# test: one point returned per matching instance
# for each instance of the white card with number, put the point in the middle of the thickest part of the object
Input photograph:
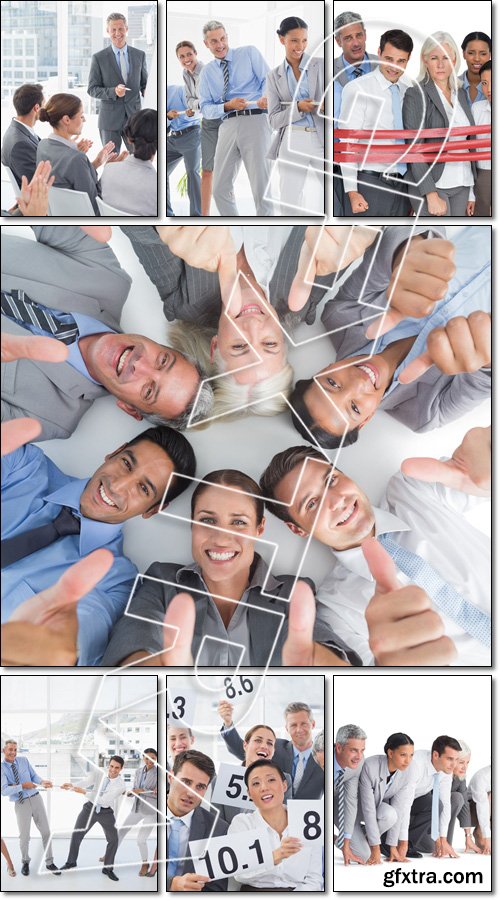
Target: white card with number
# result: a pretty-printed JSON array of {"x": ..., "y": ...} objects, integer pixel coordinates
[
  {"x": 230, "y": 788},
  {"x": 181, "y": 705},
  {"x": 229, "y": 855},
  {"x": 305, "y": 820},
  {"x": 238, "y": 688}
]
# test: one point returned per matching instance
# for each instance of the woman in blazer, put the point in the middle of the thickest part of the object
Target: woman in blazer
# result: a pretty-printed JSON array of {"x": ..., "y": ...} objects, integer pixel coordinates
[
  {"x": 385, "y": 796},
  {"x": 448, "y": 188},
  {"x": 70, "y": 165},
  {"x": 294, "y": 94},
  {"x": 131, "y": 185}
]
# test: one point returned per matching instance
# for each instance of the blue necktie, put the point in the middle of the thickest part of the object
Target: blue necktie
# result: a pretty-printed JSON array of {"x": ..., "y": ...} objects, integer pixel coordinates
[
  {"x": 397, "y": 116},
  {"x": 435, "y": 807},
  {"x": 225, "y": 74},
  {"x": 174, "y": 843},
  {"x": 447, "y": 600},
  {"x": 101, "y": 792}
]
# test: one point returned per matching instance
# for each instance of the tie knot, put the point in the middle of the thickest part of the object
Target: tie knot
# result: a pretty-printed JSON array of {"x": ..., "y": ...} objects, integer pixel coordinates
[
  {"x": 67, "y": 523},
  {"x": 176, "y": 824}
]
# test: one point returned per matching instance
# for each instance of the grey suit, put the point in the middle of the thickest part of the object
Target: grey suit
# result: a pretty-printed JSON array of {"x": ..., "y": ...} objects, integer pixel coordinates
[
  {"x": 201, "y": 827},
  {"x": 459, "y": 790},
  {"x": 312, "y": 784},
  {"x": 385, "y": 808},
  {"x": 339, "y": 71},
  {"x": 422, "y": 178},
  {"x": 433, "y": 399},
  {"x": 278, "y": 91},
  {"x": 352, "y": 813},
  {"x": 104, "y": 76},
  {"x": 71, "y": 168},
  {"x": 69, "y": 271},
  {"x": 19, "y": 150}
]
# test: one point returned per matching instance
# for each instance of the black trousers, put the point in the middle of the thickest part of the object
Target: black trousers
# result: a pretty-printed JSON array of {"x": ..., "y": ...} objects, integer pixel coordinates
[
  {"x": 419, "y": 831},
  {"x": 85, "y": 821},
  {"x": 379, "y": 194}
]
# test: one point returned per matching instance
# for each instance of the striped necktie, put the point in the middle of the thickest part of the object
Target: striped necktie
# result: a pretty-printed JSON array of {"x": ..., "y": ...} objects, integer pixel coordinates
[
  {"x": 447, "y": 600},
  {"x": 358, "y": 71},
  {"x": 340, "y": 788},
  {"x": 17, "y": 305},
  {"x": 16, "y": 779},
  {"x": 225, "y": 74},
  {"x": 299, "y": 774},
  {"x": 28, "y": 542}
]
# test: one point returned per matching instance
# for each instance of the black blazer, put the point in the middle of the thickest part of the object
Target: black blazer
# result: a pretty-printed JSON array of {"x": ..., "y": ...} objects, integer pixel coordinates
[
  {"x": 201, "y": 826},
  {"x": 312, "y": 785},
  {"x": 435, "y": 117},
  {"x": 19, "y": 150}
]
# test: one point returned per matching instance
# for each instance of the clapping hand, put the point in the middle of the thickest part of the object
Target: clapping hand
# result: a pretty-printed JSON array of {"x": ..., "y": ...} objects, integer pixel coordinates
[
  {"x": 84, "y": 144},
  {"x": 34, "y": 197},
  {"x": 104, "y": 154}
]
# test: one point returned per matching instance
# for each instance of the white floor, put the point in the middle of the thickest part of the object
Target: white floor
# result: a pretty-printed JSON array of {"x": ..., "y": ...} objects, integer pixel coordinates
[
  {"x": 362, "y": 879},
  {"x": 87, "y": 876}
]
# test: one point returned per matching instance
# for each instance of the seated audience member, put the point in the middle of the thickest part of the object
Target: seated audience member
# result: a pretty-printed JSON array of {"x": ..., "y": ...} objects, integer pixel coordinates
[
  {"x": 318, "y": 750},
  {"x": 480, "y": 803},
  {"x": 70, "y": 165},
  {"x": 187, "y": 821},
  {"x": 131, "y": 185},
  {"x": 294, "y": 756},
  {"x": 384, "y": 793},
  {"x": 432, "y": 361},
  {"x": 228, "y": 580},
  {"x": 429, "y": 815},
  {"x": 148, "y": 379},
  {"x": 295, "y": 866},
  {"x": 459, "y": 787},
  {"x": 481, "y": 110},
  {"x": 20, "y": 140},
  {"x": 33, "y": 199},
  {"x": 50, "y": 520},
  {"x": 442, "y": 593},
  {"x": 179, "y": 738},
  {"x": 476, "y": 49}
]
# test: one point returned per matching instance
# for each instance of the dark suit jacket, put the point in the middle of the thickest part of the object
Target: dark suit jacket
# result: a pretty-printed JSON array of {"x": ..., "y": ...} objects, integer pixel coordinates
[
  {"x": 19, "y": 151},
  {"x": 201, "y": 826},
  {"x": 435, "y": 117},
  {"x": 312, "y": 785},
  {"x": 105, "y": 75}
]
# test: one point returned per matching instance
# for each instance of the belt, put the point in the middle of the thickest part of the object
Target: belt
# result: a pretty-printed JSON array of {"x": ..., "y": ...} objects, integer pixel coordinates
[
  {"x": 301, "y": 128},
  {"x": 36, "y": 794},
  {"x": 182, "y": 131},
  {"x": 387, "y": 177},
  {"x": 246, "y": 112}
]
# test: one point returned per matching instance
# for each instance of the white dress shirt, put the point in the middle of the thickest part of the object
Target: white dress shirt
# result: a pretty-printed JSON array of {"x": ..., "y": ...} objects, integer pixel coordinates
[
  {"x": 263, "y": 247},
  {"x": 455, "y": 174},
  {"x": 367, "y": 104},
  {"x": 427, "y": 519},
  {"x": 480, "y": 787},
  {"x": 422, "y": 775},
  {"x": 94, "y": 783},
  {"x": 303, "y": 871},
  {"x": 481, "y": 110},
  {"x": 184, "y": 833}
]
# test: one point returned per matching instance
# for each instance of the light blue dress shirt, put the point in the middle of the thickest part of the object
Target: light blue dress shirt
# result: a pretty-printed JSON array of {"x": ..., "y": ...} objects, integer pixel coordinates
[
  {"x": 337, "y": 103},
  {"x": 176, "y": 99},
  {"x": 117, "y": 52},
  {"x": 33, "y": 491},
  {"x": 468, "y": 290},
  {"x": 302, "y": 93},
  {"x": 466, "y": 86},
  {"x": 26, "y": 772},
  {"x": 366, "y": 66},
  {"x": 247, "y": 78}
]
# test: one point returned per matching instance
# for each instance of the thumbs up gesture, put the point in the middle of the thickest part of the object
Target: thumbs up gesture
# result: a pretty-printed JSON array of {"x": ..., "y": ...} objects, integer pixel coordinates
[
  {"x": 403, "y": 628},
  {"x": 180, "y": 621},
  {"x": 299, "y": 648},
  {"x": 468, "y": 470},
  {"x": 462, "y": 345}
]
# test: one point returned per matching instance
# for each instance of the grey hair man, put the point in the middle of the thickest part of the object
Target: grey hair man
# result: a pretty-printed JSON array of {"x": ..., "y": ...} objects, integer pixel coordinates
[
  {"x": 460, "y": 808},
  {"x": 318, "y": 749},
  {"x": 294, "y": 756},
  {"x": 347, "y": 765}
]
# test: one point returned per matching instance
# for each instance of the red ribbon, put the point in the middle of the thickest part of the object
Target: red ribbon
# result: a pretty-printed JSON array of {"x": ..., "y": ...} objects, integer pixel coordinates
[{"x": 423, "y": 133}]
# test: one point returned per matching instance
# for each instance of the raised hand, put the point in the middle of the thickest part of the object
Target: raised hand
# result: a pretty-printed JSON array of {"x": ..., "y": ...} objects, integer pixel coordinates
[
  {"x": 300, "y": 648},
  {"x": 323, "y": 251},
  {"x": 403, "y": 628},
  {"x": 417, "y": 283},
  {"x": 225, "y": 711},
  {"x": 462, "y": 345},
  {"x": 42, "y": 631},
  {"x": 468, "y": 470}
]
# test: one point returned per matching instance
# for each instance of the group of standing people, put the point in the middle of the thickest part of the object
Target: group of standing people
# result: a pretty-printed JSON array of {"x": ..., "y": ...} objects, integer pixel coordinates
[
  {"x": 236, "y": 110},
  {"x": 372, "y": 92}
]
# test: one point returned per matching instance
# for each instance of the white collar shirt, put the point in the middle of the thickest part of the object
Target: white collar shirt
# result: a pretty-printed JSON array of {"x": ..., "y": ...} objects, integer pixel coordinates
[
  {"x": 455, "y": 174},
  {"x": 422, "y": 776},
  {"x": 480, "y": 787}
]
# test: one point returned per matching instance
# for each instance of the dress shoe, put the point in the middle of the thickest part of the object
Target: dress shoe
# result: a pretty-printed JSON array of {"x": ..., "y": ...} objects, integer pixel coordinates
[
  {"x": 110, "y": 874},
  {"x": 25, "y": 869},
  {"x": 68, "y": 865},
  {"x": 54, "y": 869},
  {"x": 413, "y": 854}
]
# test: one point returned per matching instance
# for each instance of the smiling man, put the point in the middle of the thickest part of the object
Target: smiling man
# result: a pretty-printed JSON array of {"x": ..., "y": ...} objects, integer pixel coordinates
[
  {"x": 51, "y": 520},
  {"x": 70, "y": 286}
]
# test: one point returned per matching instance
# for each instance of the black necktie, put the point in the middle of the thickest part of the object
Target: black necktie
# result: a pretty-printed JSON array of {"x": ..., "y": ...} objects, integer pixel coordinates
[
  {"x": 17, "y": 305},
  {"x": 358, "y": 71},
  {"x": 28, "y": 542}
]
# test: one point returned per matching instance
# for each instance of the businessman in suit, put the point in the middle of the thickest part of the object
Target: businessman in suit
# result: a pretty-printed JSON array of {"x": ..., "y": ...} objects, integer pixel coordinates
[
  {"x": 187, "y": 821},
  {"x": 68, "y": 272},
  {"x": 347, "y": 763},
  {"x": 117, "y": 77},
  {"x": 293, "y": 756},
  {"x": 20, "y": 141}
]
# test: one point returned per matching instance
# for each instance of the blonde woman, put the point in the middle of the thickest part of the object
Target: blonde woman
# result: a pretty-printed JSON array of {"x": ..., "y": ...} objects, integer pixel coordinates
[{"x": 439, "y": 101}]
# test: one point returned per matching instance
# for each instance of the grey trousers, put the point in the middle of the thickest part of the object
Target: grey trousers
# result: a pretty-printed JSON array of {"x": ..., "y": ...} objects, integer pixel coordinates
[
  {"x": 243, "y": 139},
  {"x": 482, "y": 190},
  {"x": 117, "y": 137},
  {"x": 456, "y": 201},
  {"x": 386, "y": 818},
  {"x": 460, "y": 810},
  {"x": 33, "y": 808},
  {"x": 85, "y": 821},
  {"x": 149, "y": 822},
  {"x": 188, "y": 148}
]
